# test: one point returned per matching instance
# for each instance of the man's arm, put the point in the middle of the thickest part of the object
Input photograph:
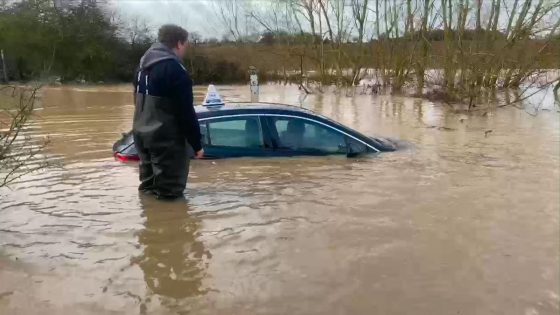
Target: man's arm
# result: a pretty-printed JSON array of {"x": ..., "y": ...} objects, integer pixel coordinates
[{"x": 182, "y": 87}]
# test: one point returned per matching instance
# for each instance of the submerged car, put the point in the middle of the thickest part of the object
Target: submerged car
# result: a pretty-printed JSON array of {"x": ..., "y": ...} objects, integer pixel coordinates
[{"x": 269, "y": 130}]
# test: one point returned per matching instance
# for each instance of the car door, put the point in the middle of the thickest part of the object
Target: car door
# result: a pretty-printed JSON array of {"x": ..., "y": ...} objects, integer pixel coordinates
[
  {"x": 236, "y": 136},
  {"x": 293, "y": 136}
]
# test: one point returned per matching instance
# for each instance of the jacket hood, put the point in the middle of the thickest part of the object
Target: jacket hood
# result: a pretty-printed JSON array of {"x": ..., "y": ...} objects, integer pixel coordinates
[{"x": 156, "y": 53}]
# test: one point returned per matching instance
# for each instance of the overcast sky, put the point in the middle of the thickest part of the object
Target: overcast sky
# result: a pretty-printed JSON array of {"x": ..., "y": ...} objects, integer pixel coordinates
[
  {"x": 203, "y": 17},
  {"x": 194, "y": 15}
]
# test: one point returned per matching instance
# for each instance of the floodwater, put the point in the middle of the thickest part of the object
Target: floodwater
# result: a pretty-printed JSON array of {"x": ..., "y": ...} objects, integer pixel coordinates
[{"x": 464, "y": 220}]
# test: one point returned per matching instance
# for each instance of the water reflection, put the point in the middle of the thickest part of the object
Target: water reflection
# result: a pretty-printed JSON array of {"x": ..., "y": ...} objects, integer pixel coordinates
[{"x": 174, "y": 261}]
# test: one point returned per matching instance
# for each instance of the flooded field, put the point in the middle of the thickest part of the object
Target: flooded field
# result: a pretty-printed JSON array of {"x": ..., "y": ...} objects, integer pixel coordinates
[{"x": 464, "y": 220}]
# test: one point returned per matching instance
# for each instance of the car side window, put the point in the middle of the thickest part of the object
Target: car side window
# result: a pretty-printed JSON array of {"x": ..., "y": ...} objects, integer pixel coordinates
[
  {"x": 239, "y": 132},
  {"x": 302, "y": 135}
]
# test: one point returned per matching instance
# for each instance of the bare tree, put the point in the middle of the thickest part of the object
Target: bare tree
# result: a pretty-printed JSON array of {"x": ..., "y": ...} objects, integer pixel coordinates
[
  {"x": 310, "y": 7},
  {"x": 230, "y": 17},
  {"x": 360, "y": 11},
  {"x": 19, "y": 154},
  {"x": 235, "y": 17},
  {"x": 478, "y": 15},
  {"x": 310, "y": 11},
  {"x": 377, "y": 13},
  {"x": 422, "y": 62},
  {"x": 279, "y": 23},
  {"x": 136, "y": 30},
  {"x": 486, "y": 43}
]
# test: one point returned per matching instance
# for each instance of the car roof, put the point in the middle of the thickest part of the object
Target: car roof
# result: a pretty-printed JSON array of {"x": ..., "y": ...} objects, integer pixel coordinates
[{"x": 244, "y": 107}]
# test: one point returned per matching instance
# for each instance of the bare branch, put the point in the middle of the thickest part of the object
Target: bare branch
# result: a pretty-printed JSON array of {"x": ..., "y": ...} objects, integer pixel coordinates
[{"x": 19, "y": 154}]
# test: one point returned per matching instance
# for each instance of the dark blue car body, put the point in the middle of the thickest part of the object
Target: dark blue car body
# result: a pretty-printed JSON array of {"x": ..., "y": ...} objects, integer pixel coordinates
[{"x": 266, "y": 130}]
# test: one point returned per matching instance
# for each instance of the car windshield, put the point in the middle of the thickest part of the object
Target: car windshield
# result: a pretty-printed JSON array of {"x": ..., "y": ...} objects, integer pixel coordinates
[{"x": 341, "y": 126}]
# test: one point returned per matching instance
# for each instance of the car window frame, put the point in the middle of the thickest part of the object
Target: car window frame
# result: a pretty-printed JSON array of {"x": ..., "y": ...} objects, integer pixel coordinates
[{"x": 267, "y": 129}]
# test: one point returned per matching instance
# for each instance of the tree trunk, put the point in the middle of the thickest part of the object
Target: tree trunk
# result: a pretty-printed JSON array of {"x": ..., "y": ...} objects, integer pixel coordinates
[
  {"x": 478, "y": 20},
  {"x": 377, "y": 18},
  {"x": 4, "y": 72},
  {"x": 421, "y": 66},
  {"x": 511, "y": 18}
]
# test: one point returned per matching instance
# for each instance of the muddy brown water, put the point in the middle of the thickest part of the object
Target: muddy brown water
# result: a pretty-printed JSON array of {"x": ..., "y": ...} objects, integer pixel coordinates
[{"x": 461, "y": 221}]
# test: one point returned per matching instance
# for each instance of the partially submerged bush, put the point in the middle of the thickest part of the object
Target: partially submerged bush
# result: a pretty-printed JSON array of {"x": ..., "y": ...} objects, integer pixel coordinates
[{"x": 19, "y": 154}]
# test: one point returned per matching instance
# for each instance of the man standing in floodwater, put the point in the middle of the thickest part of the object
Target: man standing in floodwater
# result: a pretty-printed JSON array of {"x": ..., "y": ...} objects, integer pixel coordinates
[{"x": 165, "y": 122}]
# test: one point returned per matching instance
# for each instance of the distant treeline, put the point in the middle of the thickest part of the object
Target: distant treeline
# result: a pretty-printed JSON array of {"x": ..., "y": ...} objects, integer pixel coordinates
[
  {"x": 85, "y": 42},
  {"x": 78, "y": 42},
  {"x": 82, "y": 42}
]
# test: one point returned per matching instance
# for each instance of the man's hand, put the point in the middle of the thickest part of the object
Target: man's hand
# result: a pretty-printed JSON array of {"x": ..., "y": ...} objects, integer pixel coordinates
[{"x": 199, "y": 155}]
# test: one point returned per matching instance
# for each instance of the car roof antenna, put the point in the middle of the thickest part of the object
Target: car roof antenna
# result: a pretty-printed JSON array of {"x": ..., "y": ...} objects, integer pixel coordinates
[{"x": 213, "y": 98}]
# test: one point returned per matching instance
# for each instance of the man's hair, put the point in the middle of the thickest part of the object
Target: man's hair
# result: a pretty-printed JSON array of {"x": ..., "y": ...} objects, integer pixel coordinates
[{"x": 170, "y": 35}]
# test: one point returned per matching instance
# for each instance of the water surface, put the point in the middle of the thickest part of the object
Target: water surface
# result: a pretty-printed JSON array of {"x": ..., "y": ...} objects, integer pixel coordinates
[{"x": 462, "y": 221}]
